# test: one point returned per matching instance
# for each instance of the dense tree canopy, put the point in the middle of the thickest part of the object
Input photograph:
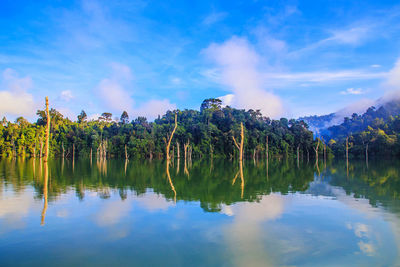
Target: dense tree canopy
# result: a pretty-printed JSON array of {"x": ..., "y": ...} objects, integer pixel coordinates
[{"x": 208, "y": 132}]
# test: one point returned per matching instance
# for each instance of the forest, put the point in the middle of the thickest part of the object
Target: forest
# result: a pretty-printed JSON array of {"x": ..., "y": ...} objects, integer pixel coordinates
[
  {"x": 375, "y": 133},
  {"x": 209, "y": 132}
]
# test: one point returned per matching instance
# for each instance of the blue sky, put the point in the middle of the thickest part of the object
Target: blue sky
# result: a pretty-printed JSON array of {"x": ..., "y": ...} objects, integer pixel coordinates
[{"x": 288, "y": 58}]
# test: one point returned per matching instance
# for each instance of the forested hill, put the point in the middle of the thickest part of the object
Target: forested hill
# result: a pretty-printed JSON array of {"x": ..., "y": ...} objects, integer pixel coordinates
[
  {"x": 335, "y": 125},
  {"x": 376, "y": 132},
  {"x": 205, "y": 133}
]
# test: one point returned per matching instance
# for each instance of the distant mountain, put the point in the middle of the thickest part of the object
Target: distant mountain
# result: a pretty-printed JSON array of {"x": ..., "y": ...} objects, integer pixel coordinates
[
  {"x": 336, "y": 125},
  {"x": 319, "y": 124}
]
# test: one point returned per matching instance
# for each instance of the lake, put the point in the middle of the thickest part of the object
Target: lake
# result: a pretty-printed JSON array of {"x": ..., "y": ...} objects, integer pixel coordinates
[{"x": 200, "y": 213}]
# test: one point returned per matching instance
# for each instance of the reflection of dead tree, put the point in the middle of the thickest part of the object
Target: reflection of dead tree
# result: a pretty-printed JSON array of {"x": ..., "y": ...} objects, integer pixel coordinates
[
  {"x": 102, "y": 165},
  {"x": 170, "y": 181},
  {"x": 316, "y": 152},
  {"x": 240, "y": 171},
  {"x": 187, "y": 152},
  {"x": 240, "y": 148},
  {"x": 45, "y": 189},
  {"x": 178, "y": 155}
]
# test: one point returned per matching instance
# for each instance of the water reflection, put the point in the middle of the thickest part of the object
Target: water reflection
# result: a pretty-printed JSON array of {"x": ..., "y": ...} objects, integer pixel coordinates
[
  {"x": 281, "y": 214},
  {"x": 45, "y": 189}
]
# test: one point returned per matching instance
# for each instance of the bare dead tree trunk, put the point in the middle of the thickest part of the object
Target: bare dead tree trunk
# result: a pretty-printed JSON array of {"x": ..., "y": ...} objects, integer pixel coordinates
[
  {"x": 267, "y": 148},
  {"x": 170, "y": 138},
  {"x": 126, "y": 153},
  {"x": 298, "y": 155},
  {"x": 34, "y": 150},
  {"x": 347, "y": 148},
  {"x": 240, "y": 148},
  {"x": 366, "y": 154},
  {"x": 46, "y": 149}
]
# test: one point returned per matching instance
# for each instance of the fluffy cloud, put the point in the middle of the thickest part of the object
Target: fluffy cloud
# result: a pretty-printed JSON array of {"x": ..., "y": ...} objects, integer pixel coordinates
[
  {"x": 394, "y": 76},
  {"x": 152, "y": 108},
  {"x": 15, "y": 99},
  {"x": 112, "y": 90},
  {"x": 238, "y": 70},
  {"x": 114, "y": 94},
  {"x": 66, "y": 95},
  {"x": 352, "y": 91}
]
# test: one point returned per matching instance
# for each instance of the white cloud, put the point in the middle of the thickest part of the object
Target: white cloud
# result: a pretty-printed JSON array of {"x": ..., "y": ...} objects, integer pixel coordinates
[
  {"x": 352, "y": 91},
  {"x": 238, "y": 67},
  {"x": 227, "y": 100},
  {"x": 152, "y": 108},
  {"x": 392, "y": 84},
  {"x": 66, "y": 95},
  {"x": 394, "y": 76},
  {"x": 115, "y": 96},
  {"x": 112, "y": 90},
  {"x": 93, "y": 116},
  {"x": 14, "y": 96},
  {"x": 320, "y": 77},
  {"x": 375, "y": 66},
  {"x": 214, "y": 17},
  {"x": 176, "y": 80},
  {"x": 352, "y": 36}
]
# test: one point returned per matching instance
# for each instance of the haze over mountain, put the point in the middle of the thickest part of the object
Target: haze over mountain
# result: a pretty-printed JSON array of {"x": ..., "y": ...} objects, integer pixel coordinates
[{"x": 383, "y": 108}]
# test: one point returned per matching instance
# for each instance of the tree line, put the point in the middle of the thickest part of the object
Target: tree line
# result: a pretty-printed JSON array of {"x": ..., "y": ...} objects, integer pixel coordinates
[
  {"x": 209, "y": 132},
  {"x": 375, "y": 133}
]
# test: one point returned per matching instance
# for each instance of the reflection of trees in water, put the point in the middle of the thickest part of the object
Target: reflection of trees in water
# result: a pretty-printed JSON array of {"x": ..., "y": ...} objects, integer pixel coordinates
[
  {"x": 211, "y": 188},
  {"x": 379, "y": 181}
]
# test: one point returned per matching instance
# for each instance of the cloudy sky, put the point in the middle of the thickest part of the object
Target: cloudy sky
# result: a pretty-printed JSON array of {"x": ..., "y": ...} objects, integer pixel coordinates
[{"x": 288, "y": 58}]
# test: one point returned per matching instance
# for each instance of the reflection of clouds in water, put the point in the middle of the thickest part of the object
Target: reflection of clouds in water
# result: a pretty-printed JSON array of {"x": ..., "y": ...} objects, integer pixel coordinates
[
  {"x": 360, "y": 229},
  {"x": 154, "y": 202},
  {"x": 363, "y": 231},
  {"x": 367, "y": 248},
  {"x": 360, "y": 204},
  {"x": 114, "y": 211},
  {"x": 13, "y": 209},
  {"x": 111, "y": 213},
  {"x": 62, "y": 213},
  {"x": 245, "y": 235}
]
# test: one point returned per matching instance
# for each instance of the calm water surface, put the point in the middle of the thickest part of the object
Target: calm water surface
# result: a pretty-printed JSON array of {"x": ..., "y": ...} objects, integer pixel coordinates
[{"x": 107, "y": 213}]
